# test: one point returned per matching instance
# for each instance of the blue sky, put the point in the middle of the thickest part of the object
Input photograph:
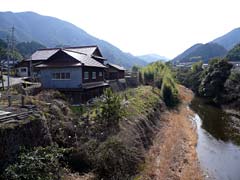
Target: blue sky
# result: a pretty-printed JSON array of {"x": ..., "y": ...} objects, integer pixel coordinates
[{"x": 165, "y": 27}]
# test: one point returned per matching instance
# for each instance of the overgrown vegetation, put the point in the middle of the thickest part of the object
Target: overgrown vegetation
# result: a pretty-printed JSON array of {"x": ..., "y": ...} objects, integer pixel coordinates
[
  {"x": 39, "y": 163},
  {"x": 159, "y": 75},
  {"x": 219, "y": 82},
  {"x": 108, "y": 136},
  {"x": 213, "y": 79},
  {"x": 234, "y": 53},
  {"x": 111, "y": 110}
]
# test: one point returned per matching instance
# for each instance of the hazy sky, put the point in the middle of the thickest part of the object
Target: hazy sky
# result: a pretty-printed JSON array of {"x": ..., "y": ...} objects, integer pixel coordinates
[{"x": 165, "y": 27}]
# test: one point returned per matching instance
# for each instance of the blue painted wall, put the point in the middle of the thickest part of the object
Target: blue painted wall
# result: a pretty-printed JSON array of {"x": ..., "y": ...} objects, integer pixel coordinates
[{"x": 74, "y": 82}]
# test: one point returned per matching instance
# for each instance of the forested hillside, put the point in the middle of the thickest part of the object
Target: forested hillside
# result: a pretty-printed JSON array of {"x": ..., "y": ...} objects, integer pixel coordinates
[
  {"x": 201, "y": 52},
  {"x": 50, "y": 32}
]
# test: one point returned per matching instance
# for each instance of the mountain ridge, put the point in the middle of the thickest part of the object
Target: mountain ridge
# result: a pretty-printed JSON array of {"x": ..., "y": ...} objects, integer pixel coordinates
[
  {"x": 51, "y": 31},
  {"x": 149, "y": 58},
  {"x": 203, "y": 52},
  {"x": 229, "y": 40}
]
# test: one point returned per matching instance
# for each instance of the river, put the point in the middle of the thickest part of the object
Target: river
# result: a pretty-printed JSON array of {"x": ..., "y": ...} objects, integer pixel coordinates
[{"x": 218, "y": 141}]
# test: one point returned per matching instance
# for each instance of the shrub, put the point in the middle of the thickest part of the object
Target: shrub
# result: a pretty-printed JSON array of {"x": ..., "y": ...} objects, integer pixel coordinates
[
  {"x": 235, "y": 76},
  {"x": 111, "y": 110},
  {"x": 169, "y": 92},
  {"x": 115, "y": 160},
  {"x": 41, "y": 164}
]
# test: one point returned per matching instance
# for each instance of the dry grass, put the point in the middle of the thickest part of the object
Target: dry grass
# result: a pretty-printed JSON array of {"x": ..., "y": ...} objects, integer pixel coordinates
[{"x": 173, "y": 154}]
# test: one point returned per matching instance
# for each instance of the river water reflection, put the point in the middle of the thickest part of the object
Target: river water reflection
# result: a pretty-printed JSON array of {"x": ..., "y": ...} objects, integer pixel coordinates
[{"x": 218, "y": 141}]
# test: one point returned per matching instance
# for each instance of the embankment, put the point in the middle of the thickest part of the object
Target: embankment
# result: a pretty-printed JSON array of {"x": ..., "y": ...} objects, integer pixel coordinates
[
  {"x": 105, "y": 150},
  {"x": 16, "y": 134},
  {"x": 173, "y": 154}
]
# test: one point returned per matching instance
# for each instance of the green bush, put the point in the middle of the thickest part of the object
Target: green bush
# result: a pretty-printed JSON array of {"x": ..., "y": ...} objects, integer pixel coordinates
[
  {"x": 111, "y": 110},
  {"x": 235, "y": 76},
  {"x": 115, "y": 160},
  {"x": 212, "y": 84},
  {"x": 40, "y": 164},
  {"x": 169, "y": 92}
]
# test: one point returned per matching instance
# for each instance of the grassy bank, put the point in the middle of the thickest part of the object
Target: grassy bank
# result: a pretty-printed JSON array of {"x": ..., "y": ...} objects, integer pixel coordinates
[{"x": 108, "y": 138}]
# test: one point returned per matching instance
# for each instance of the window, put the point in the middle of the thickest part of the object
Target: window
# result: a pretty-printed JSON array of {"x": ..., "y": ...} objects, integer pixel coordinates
[
  {"x": 100, "y": 74},
  {"x": 61, "y": 76},
  {"x": 67, "y": 75},
  {"x": 23, "y": 69},
  {"x": 86, "y": 75},
  {"x": 93, "y": 75}
]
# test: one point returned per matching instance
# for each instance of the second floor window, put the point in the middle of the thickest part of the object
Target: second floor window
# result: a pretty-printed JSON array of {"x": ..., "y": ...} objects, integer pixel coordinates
[
  {"x": 100, "y": 74},
  {"x": 86, "y": 75},
  {"x": 93, "y": 75}
]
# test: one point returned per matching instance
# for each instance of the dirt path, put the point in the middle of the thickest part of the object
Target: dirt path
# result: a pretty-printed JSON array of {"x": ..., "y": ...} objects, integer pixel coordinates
[{"x": 173, "y": 154}]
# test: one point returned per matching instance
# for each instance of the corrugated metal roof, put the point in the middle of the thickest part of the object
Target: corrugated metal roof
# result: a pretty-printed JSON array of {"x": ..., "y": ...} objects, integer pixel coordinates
[
  {"x": 117, "y": 66},
  {"x": 84, "y": 59}
]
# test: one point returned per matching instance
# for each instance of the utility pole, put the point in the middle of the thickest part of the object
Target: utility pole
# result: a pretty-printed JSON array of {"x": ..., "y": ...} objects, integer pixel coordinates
[
  {"x": 8, "y": 78},
  {"x": 30, "y": 69},
  {"x": 13, "y": 48}
]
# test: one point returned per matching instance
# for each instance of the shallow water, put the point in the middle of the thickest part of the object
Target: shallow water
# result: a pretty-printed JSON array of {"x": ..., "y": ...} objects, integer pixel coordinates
[{"x": 218, "y": 141}]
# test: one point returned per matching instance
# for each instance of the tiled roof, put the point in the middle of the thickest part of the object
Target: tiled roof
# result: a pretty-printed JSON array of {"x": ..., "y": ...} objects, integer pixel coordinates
[
  {"x": 43, "y": 54},
  {"x": 117, "y": 66},
  {"x": 84, "y": 59},
  {"x": 84, "y": 54},
  {"x": 89, "y": 50}
]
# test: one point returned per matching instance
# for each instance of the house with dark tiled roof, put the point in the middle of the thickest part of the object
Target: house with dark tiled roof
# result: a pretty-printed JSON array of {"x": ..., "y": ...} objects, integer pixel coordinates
[
  {"x": 78, "y": 69},
  {"x": 114, "y": 71}
]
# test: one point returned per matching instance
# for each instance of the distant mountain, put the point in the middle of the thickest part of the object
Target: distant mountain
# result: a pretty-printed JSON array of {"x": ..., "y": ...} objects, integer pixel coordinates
[
  {"x": 234, "y": 53},
  {"x": 229, "y": 40},
  {"x": 152, "y": 58},
  {"x": 27, "y": 48},
  {"x": 50, "y": 32},
  {"x": 181, "y": 56},
  {"x": 203, "y": 52}
]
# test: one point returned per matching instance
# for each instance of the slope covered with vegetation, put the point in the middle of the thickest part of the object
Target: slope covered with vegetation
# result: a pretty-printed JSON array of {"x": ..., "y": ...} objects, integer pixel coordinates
[
  {"x": 26, "y": 49},
  {"x": 109, "y": 137},
  {"x": 234, "y": 53},
  {"x": 201, "y": 52}
]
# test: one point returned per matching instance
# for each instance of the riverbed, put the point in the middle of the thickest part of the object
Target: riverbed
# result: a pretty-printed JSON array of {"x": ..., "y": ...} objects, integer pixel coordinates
[{"x": 218, "y": 143}]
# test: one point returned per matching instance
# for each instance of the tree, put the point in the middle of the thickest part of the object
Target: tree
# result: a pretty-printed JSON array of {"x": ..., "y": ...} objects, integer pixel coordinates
[
  {"x": 213, "y": 81},
  {"x": 135, "y": 68},
  {"x": 111, "y": 110},
  {"x": 234, "y": 54}
]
